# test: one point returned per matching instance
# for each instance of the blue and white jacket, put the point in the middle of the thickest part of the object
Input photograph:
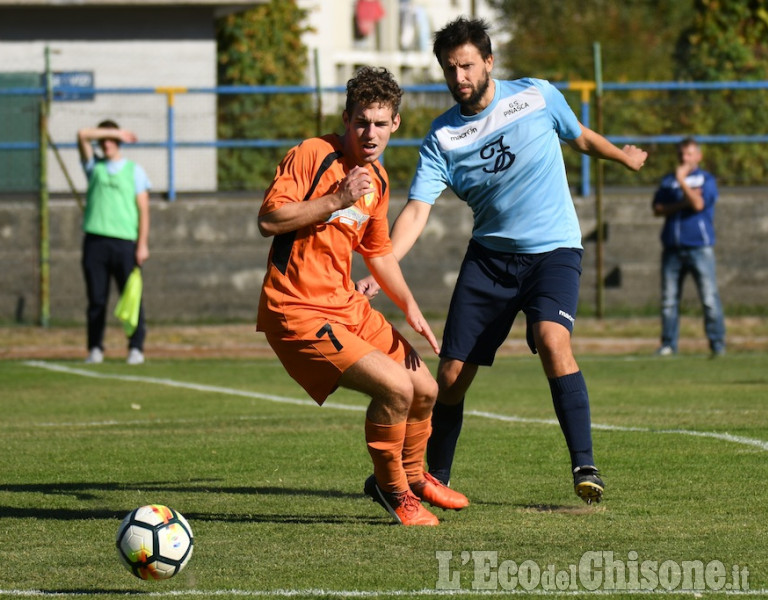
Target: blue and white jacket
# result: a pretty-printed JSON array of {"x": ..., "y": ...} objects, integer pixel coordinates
[{"x": 688, "y": 228}]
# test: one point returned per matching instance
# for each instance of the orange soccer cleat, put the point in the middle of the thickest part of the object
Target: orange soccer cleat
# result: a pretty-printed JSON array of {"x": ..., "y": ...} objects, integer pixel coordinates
[{"x": 437, "y": 494}]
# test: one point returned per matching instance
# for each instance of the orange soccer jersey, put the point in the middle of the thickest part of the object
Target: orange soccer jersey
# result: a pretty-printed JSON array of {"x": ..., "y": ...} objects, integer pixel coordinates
[{"x": 309, "y": 275}]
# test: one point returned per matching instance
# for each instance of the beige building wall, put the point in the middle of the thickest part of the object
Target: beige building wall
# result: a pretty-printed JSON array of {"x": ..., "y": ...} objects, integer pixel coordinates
[{"x": 132, "y": 44}]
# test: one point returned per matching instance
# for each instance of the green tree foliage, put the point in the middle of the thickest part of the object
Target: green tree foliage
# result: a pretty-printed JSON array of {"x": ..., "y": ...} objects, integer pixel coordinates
[
  {"x": 727, "y": 41},
  {"x": 554, "y": 39},
  {"x": 261, "y": 46},
  {"x": 654, "y": 40}
]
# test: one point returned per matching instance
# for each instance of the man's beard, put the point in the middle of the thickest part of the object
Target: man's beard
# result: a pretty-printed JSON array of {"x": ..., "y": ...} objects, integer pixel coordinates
[{"x": 476, "y": 95}]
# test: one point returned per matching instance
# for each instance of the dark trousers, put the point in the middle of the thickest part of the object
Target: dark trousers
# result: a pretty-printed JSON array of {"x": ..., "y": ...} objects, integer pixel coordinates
[{"x": 105, "y": 258}]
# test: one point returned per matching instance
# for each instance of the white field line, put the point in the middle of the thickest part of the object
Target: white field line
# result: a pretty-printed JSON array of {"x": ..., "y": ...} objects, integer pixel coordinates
[{"x": 727, "y": 437}]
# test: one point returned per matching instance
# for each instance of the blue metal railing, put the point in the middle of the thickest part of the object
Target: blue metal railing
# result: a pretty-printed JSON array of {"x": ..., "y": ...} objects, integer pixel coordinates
[{"x": 171, "y": 144}]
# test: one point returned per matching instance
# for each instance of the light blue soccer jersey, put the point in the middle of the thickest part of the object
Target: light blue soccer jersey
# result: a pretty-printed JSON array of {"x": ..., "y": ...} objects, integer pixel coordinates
[{"x": 507, "y": 165}]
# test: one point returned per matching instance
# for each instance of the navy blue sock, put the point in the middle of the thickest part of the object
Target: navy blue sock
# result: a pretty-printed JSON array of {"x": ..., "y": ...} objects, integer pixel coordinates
[
  {"x": 446, "y": 427},
  {"x": 569, "y": 395}
]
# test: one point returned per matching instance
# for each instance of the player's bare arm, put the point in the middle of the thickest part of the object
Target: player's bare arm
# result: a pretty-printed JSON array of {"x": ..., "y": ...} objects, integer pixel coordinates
[
  {"x": 94, "y": 134},
  {"x": 142, "y": 242},
  {"x": 405, "y": 231},
  {"x": 387, "y": 272},
  {"x": 593, "y": 144},
  {"x": 408, "y": 227},
  {"x": 296, "y": 215}
]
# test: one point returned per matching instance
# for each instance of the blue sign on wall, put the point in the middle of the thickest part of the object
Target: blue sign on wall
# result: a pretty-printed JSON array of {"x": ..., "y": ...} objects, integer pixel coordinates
[{"x": 78, "y": 85}]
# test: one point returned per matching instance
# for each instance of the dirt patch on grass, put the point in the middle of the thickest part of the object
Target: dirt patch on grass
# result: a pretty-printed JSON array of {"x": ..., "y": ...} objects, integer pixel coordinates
[{"x": 592, "y": 336}]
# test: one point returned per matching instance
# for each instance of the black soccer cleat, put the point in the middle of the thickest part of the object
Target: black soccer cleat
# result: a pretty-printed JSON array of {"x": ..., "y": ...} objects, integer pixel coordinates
[
  {"x": 371, "y": 489},
  {"x": 587, "y": 484},
  {"x": 405, "y": 507}
]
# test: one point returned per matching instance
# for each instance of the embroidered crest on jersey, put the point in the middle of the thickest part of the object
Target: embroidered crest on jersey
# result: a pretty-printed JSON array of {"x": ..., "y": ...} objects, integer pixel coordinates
[
  {"x": 368, "y": 198},
  {"x": 498, "y": 152},
  {"x": 352, "y": 216}
]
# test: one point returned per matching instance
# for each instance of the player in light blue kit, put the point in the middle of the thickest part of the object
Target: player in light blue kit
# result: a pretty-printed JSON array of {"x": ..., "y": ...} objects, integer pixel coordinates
[{"x": 499, "y": 150}]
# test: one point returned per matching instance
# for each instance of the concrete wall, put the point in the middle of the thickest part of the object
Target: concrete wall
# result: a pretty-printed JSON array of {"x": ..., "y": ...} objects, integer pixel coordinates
[{"x": 207, "y": 257}]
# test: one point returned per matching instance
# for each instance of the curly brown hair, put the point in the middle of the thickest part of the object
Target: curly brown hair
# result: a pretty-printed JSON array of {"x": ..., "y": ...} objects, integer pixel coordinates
[{"x": 373, "y": 85}]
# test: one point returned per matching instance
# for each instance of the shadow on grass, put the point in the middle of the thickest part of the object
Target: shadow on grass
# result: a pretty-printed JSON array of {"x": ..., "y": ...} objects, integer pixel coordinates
[
  {"x": 91, "y": 490},
  {"x": 85, "y": 514}
]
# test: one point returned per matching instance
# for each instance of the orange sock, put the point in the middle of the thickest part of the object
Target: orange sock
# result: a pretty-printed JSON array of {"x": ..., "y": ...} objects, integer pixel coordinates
[
  {"x": 385, "y": 445},
  {"x": 414, "y": 447}
]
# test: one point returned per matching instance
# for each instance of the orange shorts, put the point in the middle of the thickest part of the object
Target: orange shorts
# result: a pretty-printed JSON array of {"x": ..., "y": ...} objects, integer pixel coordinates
[{"x": 317, "y": 363}]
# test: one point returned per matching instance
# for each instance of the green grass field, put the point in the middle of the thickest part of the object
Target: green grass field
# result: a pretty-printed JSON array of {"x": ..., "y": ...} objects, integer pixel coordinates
[{"x": 272, "y": 485}]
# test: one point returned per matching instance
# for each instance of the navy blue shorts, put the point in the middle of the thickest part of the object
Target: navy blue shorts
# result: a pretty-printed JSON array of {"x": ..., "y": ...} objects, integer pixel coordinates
[{"x": 493, "y": 287}]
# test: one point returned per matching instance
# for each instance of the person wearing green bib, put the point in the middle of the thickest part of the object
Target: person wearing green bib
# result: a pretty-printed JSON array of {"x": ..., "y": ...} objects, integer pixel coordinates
[{"x": 116, "y": 227}]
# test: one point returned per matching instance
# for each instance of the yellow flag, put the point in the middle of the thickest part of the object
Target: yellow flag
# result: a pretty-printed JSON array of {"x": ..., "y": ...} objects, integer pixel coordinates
[{"x": 127, "y": 309}]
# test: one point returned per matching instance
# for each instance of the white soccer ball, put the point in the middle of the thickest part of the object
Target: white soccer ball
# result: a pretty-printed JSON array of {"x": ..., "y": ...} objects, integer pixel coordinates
[{"x": 154, "y": 542}]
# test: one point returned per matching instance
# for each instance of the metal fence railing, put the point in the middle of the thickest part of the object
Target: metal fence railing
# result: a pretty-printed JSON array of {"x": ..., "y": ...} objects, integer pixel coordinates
[
  {"x": 173, "y": 139},
  {"x": 34, "y": 120}
]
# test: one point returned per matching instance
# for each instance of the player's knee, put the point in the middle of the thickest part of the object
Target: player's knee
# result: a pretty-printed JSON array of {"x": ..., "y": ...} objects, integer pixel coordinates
[
  {"x": 431, "y": 390},
  {"x": 450, "y": 393},
  {"x": 453, "y": 381},
  {"x": 548, "y": 348},
  {"x": 557, "y": 359},
  {"x": 399, "y": 395},
  {"x": 425, "y": 392}
]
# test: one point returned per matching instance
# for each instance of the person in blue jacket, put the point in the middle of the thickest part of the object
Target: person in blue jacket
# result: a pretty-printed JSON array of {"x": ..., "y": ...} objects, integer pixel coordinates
[{"x": 686, "y": 199}]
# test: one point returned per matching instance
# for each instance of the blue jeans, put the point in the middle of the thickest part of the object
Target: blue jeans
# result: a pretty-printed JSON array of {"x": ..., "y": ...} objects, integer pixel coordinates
[{"x": 699, "y": 262}]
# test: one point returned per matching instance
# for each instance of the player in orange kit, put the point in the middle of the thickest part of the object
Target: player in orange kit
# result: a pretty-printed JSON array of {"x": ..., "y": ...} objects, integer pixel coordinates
[{"x": 330, "y": 197}]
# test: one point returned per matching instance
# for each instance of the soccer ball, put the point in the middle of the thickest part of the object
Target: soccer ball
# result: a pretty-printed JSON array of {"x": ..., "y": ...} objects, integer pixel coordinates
[{"x": 154, "y": 542}]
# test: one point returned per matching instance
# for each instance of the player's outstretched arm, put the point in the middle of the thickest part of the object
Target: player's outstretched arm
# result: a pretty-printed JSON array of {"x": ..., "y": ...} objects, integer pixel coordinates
[
  {"x": 593, "y": 144},
  {"x": 408, "y": 226},
  {"x": 387, "y": 272}
]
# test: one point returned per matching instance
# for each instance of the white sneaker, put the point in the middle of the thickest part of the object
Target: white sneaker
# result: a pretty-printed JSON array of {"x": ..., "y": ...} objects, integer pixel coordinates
[
  {"x": 135, "y": 357},
  {"x": 665, "y": 351},
  {"x": 95, "y": 356}
]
